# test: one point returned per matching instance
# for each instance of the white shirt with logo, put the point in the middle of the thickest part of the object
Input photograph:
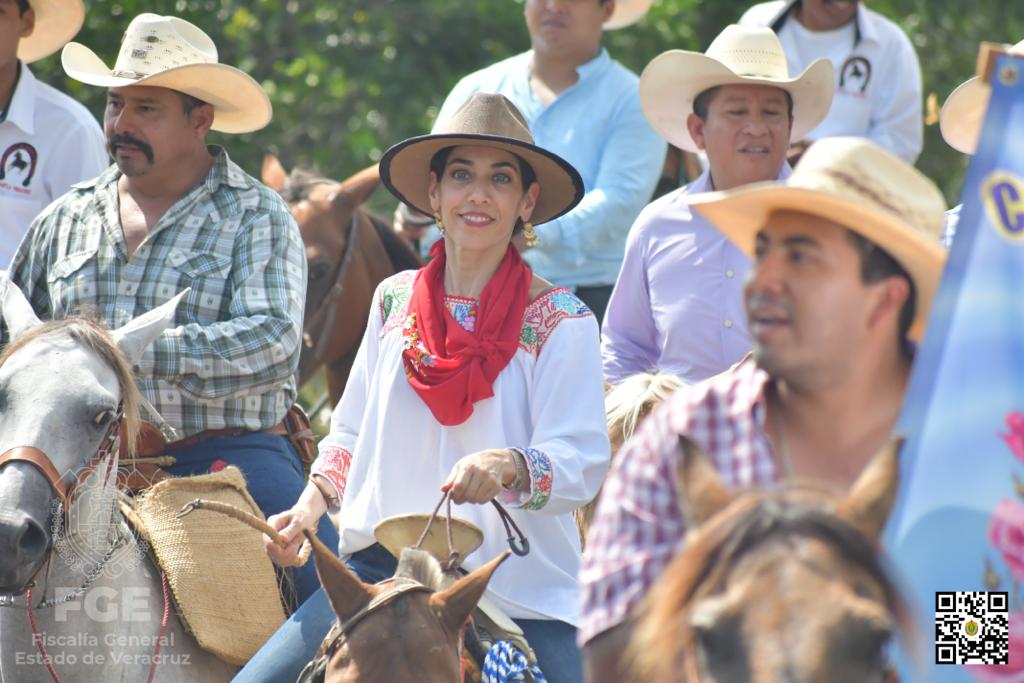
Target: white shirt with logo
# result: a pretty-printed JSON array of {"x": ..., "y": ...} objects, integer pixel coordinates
[
  {"x": 48, "y": 142},
  {"x": 878, "y": 75}
]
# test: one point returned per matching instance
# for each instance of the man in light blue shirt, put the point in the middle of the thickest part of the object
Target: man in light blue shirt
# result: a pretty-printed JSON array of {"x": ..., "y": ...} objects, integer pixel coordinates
[{"x": 584, "y": 106}]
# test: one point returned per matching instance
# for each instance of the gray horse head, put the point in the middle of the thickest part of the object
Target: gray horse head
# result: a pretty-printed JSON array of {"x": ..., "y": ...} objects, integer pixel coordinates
[{"x": 60, "y": 386}]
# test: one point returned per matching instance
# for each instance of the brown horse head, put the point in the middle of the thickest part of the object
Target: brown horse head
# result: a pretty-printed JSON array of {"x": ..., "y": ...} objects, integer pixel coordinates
[
  {"x": 780, "y": 586},
  {"x": 402, "y": 637},
  {"x": 349, "y": 251}
]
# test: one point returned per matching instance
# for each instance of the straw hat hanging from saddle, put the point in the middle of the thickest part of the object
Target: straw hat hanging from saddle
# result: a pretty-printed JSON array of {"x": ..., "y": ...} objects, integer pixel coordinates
[
  {"x": 964, "y": 111},
  {"x": 740, "y": 55},
  {"x": 861, "y": 186},
  {"x": 627, "y": 12},
  {"x": 486, "y": 120},
  {"x": 57, "y": 22},
  {"x": 168, "y": 52}
]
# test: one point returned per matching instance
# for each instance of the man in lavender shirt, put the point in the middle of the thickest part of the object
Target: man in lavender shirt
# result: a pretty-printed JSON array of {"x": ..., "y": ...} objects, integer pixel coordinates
[{"x": 677, "y": 304}]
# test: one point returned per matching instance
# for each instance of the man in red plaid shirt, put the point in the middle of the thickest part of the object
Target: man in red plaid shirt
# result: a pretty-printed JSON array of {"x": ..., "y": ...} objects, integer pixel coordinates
[{"x": 846, "y": 262}]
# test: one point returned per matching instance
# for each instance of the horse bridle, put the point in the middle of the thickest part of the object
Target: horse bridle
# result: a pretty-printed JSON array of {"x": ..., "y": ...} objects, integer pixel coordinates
[
  {"x": 38, "y": 459},
  {"x": 322, "y": 320},
  {"x": 401, "y": 586}
]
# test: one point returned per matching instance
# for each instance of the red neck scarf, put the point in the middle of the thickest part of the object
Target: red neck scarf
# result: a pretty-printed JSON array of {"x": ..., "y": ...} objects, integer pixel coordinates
[{"x": 447, "y": 366}]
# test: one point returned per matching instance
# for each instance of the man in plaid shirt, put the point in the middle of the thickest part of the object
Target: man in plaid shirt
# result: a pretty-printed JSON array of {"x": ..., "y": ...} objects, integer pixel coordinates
[
  {"x": 846, "y": 263},
  {"x": 174, "y": 213}
]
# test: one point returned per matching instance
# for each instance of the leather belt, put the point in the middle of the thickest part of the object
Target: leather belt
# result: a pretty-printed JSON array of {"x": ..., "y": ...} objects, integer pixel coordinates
[{"x": 279, "y": 429}]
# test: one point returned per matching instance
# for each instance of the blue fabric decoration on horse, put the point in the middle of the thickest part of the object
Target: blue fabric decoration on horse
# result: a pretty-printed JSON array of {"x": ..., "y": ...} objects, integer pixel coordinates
[{"x": 505, "y": 663}]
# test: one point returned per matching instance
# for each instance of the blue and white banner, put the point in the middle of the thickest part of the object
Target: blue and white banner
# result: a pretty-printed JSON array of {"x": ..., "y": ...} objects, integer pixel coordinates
[{"x": 958, "y": 530}]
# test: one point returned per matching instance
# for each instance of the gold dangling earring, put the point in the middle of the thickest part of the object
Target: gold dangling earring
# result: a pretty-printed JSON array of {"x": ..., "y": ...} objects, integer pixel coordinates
[
  {"x": 530, "y": 234},
  {"x": 440, "y": 225}
]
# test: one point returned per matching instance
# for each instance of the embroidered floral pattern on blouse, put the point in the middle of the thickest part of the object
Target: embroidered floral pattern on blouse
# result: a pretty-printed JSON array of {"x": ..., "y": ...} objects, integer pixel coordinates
[
  {"x": 541, "y": 478},
  {"x": 539, "y": 320},
  {"x": 411, "y": 340},
  {"x": 463, "y": 310},
  {"x": 394, "y": 300},
  {"x": 333, "y": 465},
  {"x": 543, "y": 315}
]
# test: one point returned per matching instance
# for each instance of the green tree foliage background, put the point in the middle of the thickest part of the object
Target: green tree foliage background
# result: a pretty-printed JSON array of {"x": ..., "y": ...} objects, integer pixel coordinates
[{"x": 350, "y": 77}]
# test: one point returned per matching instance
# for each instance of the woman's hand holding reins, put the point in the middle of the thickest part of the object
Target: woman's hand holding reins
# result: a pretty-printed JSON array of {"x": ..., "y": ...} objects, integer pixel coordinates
[
  {"x": 481, "y": 476},
  {"x": 305, "y": 514}
]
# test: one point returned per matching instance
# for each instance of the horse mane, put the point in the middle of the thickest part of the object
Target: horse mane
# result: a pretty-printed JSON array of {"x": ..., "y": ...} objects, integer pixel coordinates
[
  {"x": 629, "y": 401},
  {"x": 664, "y": 634},
  {"x": 300, "y": 184},
  {"x": 420, "y": 566},
  {"x": 98, "y": 340}
]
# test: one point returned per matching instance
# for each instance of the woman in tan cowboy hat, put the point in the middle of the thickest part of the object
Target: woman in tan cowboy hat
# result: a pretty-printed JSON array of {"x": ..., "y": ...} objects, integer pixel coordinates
[{"x": 474, "y": 377}]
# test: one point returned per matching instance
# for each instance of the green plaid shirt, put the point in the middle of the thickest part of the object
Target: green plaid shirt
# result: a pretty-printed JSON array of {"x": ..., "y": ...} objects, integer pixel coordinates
[{"x": 230, "y": 359}]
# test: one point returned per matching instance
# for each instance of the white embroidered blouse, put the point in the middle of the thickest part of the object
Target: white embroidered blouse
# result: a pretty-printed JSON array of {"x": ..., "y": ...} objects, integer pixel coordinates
[{"x": 387, "y": 455}]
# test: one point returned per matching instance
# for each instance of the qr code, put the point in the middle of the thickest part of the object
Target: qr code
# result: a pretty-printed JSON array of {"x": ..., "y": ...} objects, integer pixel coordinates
[{"x": 972, "y": 628}]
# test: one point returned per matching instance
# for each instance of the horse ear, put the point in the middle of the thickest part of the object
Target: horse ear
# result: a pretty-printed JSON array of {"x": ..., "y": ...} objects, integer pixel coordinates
[
  {"x": 346, "y": 593},
  {"x": 868, "y": 503},
  {"x": 273, "y": 173},
  {"x": 701, "y": 492},
  {"x": 355, "y": 190},
  {"x": 138, "y": 333},
  {"x": 15, "y": 310},
  {"x": 458, "y": 601}
]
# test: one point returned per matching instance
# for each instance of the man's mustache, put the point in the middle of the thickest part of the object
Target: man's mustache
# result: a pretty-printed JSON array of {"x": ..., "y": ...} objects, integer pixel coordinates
[{"x": 123, "y": 139}]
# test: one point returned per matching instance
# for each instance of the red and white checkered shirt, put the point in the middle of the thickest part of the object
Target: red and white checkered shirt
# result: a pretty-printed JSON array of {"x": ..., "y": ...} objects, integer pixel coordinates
[{"x": 638, "y": 526}]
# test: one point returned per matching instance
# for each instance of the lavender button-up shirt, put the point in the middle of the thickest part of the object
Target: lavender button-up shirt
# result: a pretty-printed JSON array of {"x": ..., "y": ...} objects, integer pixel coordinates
[{"x": 677, "y": 305}]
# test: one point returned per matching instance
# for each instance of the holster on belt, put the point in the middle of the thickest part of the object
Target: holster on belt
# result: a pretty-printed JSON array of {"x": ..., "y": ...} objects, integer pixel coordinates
[{"x": 301, "y": 435}]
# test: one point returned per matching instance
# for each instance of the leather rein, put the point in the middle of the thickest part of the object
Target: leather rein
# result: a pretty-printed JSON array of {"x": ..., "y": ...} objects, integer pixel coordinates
[{"x": 318, "y": 327}]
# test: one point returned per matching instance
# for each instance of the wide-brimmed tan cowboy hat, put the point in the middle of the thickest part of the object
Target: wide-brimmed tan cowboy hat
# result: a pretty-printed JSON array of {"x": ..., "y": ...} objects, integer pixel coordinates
[
  {"x": 402, "y": 531},
  {"x": 856, "y": 183},
  {"x": 168, "y": 52},
  {"x": 486, "y": 120},
  {"x": 740, "y": 55},
  {"x": 627, "y": 12},
  {"x": 57, "y": 22},
  {"x": 964, "y": 111}
]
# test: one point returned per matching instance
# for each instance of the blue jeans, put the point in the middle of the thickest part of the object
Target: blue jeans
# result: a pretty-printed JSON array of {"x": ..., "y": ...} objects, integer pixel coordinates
[
  {"x": 282, "y": 658},
  {"x": 274, "y": 476}
]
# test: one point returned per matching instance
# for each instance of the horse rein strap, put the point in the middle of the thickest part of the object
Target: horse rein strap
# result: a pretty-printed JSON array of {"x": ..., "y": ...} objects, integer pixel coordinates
[{"x": 326, "y": 312}]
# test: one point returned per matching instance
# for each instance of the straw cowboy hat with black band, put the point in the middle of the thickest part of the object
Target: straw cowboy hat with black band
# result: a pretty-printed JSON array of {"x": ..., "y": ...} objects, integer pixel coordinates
[
  {"x": 56, "y": 22},
  {"x": 168, "y": 52},
  {"x": 486, "y": 120},
  {"x": 964, "y": 111},
  {"x": 626, "y": 13},
  {"x": 740, "y": 55},
  {"x": 863, "y": 187}
]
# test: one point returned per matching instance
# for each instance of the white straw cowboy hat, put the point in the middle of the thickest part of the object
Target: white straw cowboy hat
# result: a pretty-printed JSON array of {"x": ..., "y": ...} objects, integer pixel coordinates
[
  {"x": 740, "y": 55},
  {"x": 402, "y": 531},
  {"x": 964, "y": 111},
  {"x": 856, "y": 183},
  {"x": 627, "y": 12},
  {"x": 168, "y": 52},
  {"x": 57, "y": 22},
  {"x": 486, "y": 120}
]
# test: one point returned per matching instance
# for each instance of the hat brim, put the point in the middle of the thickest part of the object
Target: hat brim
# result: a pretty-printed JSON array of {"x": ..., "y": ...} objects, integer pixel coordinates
[
  {"x": 740, "y": 214},
  {"x": 669, "y": 84},
  {"x": 402, "y": 531},
  {"x": 240, "y": 105},
  {"x": 57, "y": 22},
  {"x": 627, "y": 12},
  {"x": 405, "y": 171},
  {"x": 963, "y": 114}
]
